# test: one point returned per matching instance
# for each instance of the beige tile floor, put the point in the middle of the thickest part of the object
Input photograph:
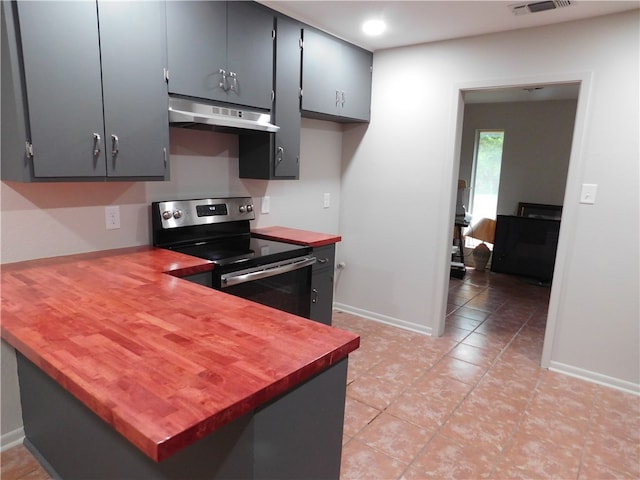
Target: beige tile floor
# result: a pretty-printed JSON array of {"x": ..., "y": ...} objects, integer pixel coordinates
[
  {"x": 472, "y": 404},
  {"x": 475, "y": 403}
]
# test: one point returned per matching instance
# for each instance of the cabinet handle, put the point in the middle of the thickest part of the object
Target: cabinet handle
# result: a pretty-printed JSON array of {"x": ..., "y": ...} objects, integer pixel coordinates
[
  {"x": 223, "y": 82},
  {"x": 114, "y": 146},
  {"x": 279, "y": 155},
  {"x": 323, "y": 260},
  {"x": 96, "y": 144},
  {"x": 234, "y": 82},
  {"x": 314, "y": 299}
]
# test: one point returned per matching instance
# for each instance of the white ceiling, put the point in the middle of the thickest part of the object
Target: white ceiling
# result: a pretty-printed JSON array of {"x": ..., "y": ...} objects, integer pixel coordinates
[
  {"x": 423, "y": 21},
  {"x": 413, "y": 22}
]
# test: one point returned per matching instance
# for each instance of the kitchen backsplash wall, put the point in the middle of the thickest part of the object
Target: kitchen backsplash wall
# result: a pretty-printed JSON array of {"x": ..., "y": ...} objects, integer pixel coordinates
[{"x": 50, "y": 219}]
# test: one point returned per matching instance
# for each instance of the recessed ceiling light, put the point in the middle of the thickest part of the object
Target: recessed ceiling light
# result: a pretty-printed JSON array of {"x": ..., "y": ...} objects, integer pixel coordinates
[{"x": 373, "y": 27}]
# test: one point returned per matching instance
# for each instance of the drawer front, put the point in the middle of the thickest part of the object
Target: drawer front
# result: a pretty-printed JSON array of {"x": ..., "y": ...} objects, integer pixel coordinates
[{"x": 326, "y": 257}]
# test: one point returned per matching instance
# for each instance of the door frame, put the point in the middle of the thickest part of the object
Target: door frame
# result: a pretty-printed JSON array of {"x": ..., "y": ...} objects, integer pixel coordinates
[{"x": 575, "y": 172}]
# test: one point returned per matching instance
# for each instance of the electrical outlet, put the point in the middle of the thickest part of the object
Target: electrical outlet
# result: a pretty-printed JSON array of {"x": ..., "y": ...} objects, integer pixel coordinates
[
  {"x": 266, "y": 204},
  {"x": 112, "y": 217},
  {"x": 327, "y": 200}
]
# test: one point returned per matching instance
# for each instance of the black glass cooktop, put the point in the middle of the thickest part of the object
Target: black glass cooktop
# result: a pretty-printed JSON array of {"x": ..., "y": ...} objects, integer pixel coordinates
[{"x": 245, "y": 250}]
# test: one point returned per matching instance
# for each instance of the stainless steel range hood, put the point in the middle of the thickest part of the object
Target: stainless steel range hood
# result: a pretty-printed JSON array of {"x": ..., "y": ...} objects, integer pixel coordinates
[{"x": 193, "y": 114}]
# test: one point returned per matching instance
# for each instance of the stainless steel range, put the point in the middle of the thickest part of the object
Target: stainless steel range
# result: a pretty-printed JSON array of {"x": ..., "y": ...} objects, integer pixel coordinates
[{"x": 273, "y": 273}]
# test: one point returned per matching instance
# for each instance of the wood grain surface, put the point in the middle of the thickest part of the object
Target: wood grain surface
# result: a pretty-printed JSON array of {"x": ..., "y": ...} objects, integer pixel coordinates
[
  {"x": 163, "y": 360},
  {"x": 298, "y": 237}
]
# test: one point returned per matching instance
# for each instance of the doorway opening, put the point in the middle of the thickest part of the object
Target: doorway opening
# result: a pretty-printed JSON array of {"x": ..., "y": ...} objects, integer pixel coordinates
[{"x": 535, "y": 164}]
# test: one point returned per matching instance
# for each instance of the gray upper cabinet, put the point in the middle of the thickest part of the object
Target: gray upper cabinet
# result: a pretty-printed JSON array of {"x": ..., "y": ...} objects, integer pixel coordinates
[
  {"x": 336, "y": 78},
  {"x": 276, "y": 155},
  {"x": 70, "y": 67},
  {"x": 287, "y": 101},
  {"x": 133, "y": 52},
  {"x": 221, "y": 51},
  {"x": 61, "y": 55}
]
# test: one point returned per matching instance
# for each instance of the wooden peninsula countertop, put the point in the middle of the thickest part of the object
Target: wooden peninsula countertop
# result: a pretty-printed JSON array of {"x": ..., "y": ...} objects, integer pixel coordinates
[
  {"x": 293, "y": 235},
  {"x": 162, "y": 360}
]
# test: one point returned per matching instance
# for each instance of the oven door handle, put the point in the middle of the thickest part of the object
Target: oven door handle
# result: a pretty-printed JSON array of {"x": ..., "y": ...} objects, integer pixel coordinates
[{"x": 257, "y": 273}]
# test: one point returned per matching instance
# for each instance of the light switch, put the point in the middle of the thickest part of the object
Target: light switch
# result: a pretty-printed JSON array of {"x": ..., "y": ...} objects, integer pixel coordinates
[
  {"x": 588, "y": 193},
  {"x": 327, "y": 200},
  {"x": 266, "y": 204}
]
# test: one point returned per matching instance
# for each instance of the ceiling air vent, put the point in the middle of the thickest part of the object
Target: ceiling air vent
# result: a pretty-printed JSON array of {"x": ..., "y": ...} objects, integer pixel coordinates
[{"x": 534, "y": 7}]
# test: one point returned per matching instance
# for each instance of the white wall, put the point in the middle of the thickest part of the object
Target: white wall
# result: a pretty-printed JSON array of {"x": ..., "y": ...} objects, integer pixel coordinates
[
  {"x": 536, "y": 150},
  {"x": 51, "y": 219},
  {"x": 399, "y": 174}
]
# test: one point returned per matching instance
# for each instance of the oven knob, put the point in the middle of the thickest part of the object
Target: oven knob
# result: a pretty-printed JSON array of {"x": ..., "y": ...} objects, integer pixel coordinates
[
  {"x": 177, "y": 214},
  {"x": 167, "y": 214},
  {"x": 249, "y": 208},
  {"x": 243, "y": 209}
]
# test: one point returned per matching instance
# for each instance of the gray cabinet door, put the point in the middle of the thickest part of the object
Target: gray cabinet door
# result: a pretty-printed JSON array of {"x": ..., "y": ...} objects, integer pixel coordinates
[
  {"x": 276, "y": 155},
  {"x": 322, "y": 296},
  {"x": 135, "y": 92},
  {"x": 336, "y": 78},
  {"x": 322, "y": 284},
  {"x": 250, "y": 54},
  {"x": 321, "y": 68},
  {"x": 197, "y": 48},
  {"x": 62, "y": 74},
  {"x": 287, "y": 104},
  {"x": 205, "y": 37},
  {"x": 356, "y": 82}
]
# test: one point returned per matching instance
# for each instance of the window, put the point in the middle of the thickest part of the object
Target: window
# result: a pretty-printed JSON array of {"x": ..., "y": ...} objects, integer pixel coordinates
[{"x": 485, "y": 179}]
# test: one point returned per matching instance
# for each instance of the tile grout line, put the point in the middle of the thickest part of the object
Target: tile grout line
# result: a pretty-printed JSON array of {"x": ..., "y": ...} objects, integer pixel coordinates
[
  {"x": 474, "y": 386},
  {"x": 583, "y": 449}
]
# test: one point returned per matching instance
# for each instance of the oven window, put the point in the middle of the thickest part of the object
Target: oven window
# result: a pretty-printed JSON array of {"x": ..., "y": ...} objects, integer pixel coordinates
[{"x": 290, "y": 292}]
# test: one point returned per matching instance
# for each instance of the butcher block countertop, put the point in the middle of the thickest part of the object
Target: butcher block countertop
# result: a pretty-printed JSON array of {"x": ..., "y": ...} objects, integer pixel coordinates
[
  {"x": 163, "y": 360},
  {"x": 293, "y": 235}
]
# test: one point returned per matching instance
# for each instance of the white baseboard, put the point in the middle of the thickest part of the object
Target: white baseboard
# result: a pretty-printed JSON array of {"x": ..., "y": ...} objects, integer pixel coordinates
[
  {"x": 594, "y": 377},
  {"x": 11, "y": 439},
  {"x": 394, "y": 322}
]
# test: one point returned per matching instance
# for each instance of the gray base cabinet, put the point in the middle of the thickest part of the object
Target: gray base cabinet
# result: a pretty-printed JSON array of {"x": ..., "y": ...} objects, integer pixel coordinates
[
  {"x": 322, "y": 284},
  {"x": 221, "y": 51},
  {"x": 277, "y": 155},
  {"x": 297, "y": 435},
  {"x": 89, "y": 79},
  {"x": 336, "y": 78}
]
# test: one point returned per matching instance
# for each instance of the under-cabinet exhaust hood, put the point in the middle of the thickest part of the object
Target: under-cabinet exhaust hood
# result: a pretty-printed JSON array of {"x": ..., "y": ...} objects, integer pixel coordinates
[{"x": 188, "y": 113}]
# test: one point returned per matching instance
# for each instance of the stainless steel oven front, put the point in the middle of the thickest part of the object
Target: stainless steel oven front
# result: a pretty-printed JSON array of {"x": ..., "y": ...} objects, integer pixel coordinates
[
  {"x": 285, "y": 285},
  {"x": 269, "y": 272}
]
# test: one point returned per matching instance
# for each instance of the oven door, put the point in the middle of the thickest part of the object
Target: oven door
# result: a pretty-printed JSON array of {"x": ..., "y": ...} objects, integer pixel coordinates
[{"x": 285, "y": 285}]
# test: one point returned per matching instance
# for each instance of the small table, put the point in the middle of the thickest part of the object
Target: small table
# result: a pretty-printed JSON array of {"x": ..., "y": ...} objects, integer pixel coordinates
[{"x": 458, "y": 268}]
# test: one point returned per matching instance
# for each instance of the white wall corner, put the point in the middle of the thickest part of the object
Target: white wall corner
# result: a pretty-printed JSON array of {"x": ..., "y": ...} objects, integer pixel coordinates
[{"x": 387, "y": 320}]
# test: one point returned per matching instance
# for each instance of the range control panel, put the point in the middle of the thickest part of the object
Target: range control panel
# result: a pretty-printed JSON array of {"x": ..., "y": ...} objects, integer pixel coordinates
[{"x": 203, "y": 211}]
